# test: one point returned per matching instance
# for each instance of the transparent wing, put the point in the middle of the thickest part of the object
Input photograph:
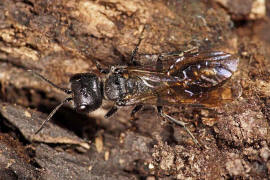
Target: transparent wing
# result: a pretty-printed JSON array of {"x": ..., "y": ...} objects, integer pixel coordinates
[{"x": 194, "y": 78}]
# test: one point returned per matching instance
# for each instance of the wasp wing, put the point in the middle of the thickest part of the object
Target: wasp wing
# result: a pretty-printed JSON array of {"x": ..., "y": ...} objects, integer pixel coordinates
[
  {"x": 212, "y": 98},
  {"x": 160, "y": 62},
  {"x": 201, "y": 72},
  {"x": 194, "y": 78}
]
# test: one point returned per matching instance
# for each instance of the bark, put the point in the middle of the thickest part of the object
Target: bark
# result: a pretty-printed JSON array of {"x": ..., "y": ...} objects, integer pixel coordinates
[{"x": 60, "y": 38}]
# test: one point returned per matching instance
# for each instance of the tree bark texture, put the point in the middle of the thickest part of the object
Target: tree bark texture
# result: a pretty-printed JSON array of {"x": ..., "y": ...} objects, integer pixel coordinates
[{"x": 60, "y": 38}]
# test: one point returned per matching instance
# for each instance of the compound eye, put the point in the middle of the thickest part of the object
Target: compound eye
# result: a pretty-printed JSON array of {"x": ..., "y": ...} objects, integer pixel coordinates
[{"x": 82, "y": 108}]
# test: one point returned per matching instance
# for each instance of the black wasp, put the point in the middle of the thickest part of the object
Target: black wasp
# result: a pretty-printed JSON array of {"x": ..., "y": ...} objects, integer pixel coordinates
[{"x": 194, "y": 78}]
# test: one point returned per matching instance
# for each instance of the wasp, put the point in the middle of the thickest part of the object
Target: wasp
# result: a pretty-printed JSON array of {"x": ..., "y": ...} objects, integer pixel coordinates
[{"x": 171, "y": 79}]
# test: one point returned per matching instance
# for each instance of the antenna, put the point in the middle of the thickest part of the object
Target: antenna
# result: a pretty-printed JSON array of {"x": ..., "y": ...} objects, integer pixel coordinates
[
  {"x": 67, "y": 91},
  {"x": 52, "y": 113}
]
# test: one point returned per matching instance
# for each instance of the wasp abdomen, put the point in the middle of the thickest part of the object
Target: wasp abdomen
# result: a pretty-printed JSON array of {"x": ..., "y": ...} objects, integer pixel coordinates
[{"x": 204, "y": 71}]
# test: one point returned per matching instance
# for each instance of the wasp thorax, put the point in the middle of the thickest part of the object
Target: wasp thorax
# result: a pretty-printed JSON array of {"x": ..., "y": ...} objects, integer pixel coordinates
[
  {"x": 115, "y": 87},
  {"x": 86, "y": 89}
]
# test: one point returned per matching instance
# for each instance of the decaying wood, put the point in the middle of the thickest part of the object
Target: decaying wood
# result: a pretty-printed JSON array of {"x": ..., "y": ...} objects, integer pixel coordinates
[{"x": 61, "y": 38}]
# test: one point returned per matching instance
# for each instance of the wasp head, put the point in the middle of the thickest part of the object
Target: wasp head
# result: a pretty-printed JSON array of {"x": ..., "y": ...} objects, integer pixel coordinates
[{"x": 87, "y": 92}]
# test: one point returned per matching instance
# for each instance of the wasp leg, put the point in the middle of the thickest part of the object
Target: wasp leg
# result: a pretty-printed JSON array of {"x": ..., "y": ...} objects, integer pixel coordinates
[
  {"x": 111, "y": 112},
  {"x": 135, "y": 50},
  {"x": 178, "y": 122},
  {"x": 136, "y": 109}
]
